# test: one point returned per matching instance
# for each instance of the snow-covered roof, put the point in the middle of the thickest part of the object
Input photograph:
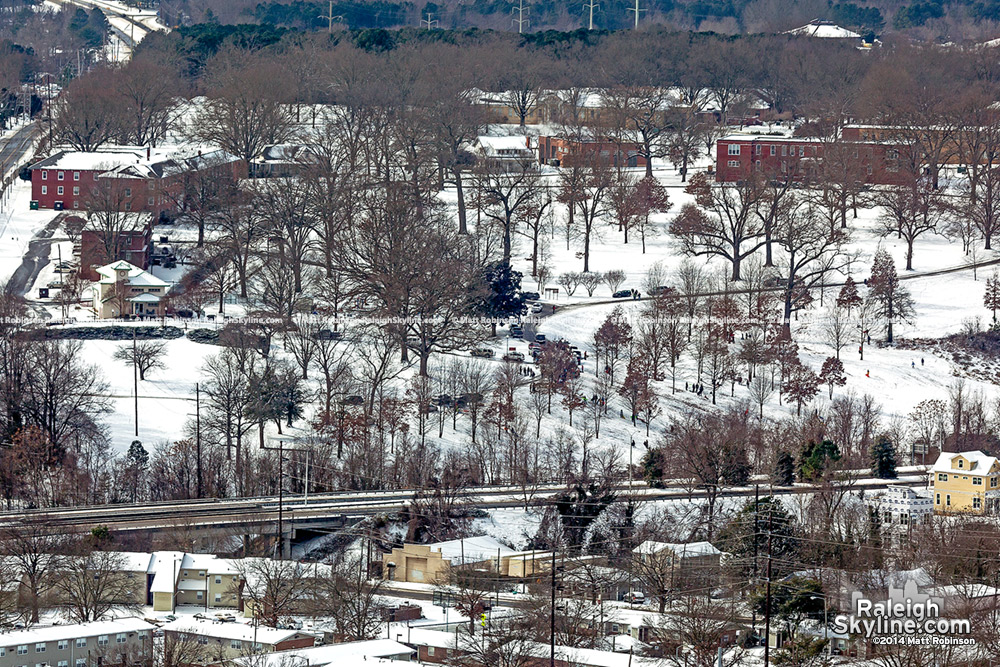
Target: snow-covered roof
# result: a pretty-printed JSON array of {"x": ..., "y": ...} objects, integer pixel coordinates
[
  {"x": 965, "y": 592},
  {"x": 824, "y": 29},
  {"x": 260, "y": 634},
  {"x": 471, "y": 549},
  {"x": 137, "y": 161},
  {"x": 164, "y": 568},
  {"x": 135, "y": 276},
  {"x": 334, "y": 654},
  {"x": 56, "y": 632},
  {"x": 135, "y": 561},
  {"x": 144, "y": 298},
  {"x": 208, "y": 562},
  {"x": 511, "y": 146},
  {"x": 978, "y": 462},
  {"x": 689, "y": 550}
]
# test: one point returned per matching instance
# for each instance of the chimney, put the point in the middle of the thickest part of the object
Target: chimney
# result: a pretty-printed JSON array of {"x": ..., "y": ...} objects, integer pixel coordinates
[{"x": 149, "y": 152}]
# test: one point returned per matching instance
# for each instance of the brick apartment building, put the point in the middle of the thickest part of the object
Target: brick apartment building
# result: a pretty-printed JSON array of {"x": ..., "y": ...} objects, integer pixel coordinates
[
  {"x": 128, "y": 178},
  {"x": 571, "y": 152},
  {"x": 739, "y": 155}
]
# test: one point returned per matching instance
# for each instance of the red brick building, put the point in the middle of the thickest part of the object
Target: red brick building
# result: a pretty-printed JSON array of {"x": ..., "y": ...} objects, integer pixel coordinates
[
  {"x": 126, "y": 178},
  {"x": 136, "y": 247},
  {"x": 570, "y": 152},
  {"x": 737, "y": 156}
]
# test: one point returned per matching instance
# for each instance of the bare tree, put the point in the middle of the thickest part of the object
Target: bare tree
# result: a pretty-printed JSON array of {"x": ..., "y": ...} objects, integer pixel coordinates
[
  {"x": 146, "y": 356},
  {"x": 274, "y": 588},
  {"x": 91, "y": 585}
]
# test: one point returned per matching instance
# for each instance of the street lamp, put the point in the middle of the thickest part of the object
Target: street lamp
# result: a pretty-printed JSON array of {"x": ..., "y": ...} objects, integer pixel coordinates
[{"x": 826, "y": 626}]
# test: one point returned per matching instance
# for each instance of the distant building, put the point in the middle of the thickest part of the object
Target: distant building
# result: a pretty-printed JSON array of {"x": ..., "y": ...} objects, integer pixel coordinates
[
  {"x": 227, "y": 641},
  {"x": 124, "y": 289},
  {"x": 965, "y": 482},
  {"x": 123, "y": 178},
  {"x": 573, "y": 152},
  {"x": 691, "y": 565},
  {"x": 432, "y": 563},
  {"x": 901, "y": 506},
  {"x": 512, "y": 150},
  {"x": 337, "y": 655},
  {"x": 738, "y": 156},
  {"x": 135, "y": 243},
  {"x": 825, "y": 30},
  {"x": 124, "y": 641}
]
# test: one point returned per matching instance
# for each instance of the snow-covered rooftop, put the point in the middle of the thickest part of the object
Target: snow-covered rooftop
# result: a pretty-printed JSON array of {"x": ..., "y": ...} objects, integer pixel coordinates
[
  {"x": 689, "y": 550},
  {"x": 334, "y": 654},
  {"x": 244, "y": 632},
  {"x": 978, "y": 462},
  {"x": 56, "y": 632},
  {"x": 824, "y": 29},
  {"x": 472, "y": 549}
]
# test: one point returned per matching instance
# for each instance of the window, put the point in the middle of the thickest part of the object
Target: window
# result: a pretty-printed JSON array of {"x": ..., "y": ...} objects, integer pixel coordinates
[
  {"x": 733, "y": 163},
  {"x": 734, "y": 149},
  {"x": 150, "y": 201},
  {"x": 977, "y": 481},
  {"x": 81, "y": 642},
  {"x": 784, "y": 151},
  {"x": 76, "y": 204},
  {"x": 993, "y": 482},
  {"x": 128, "y": 193},
  {"x": 942, "y": 477},
  {"x": 937, "y": 499},
  {"x": 961, "y": 463},
  {"x": 947, "y": 500},
  {"x": 236, "y": 643},
  {"x": 430, "y": 650},
  {"x": 756, "y": 149},
  {"x": 802, "y": 151},
  {"x": 45, "y": 175},
  {"x": 59, "y": 191},
  {"x": 81, "y": 662},
  {"x": 143, "y": 634},
  {"x": 102, "y": 640},
  {"x": 201, "y": 574},
  {"x": 76, "y": 176},
  {"x": 60, "y": 175},
  {"x": 774, "y": 150},
  {"x": 892, "y": 154},
  {"x": 62, "y": 663},
  {"x": 40, "y": 647},
  {"x": 218, "y": 579},
  {"x": 63, "y": 644},
  {"x": 120, "y": 638},
  {"x": 200, "y": 595},
  {"x": 855, "y": 153},
  {"x": 218, "y": 597},
  {"x": 76, "y": 190},
  {"x": 976, "y": 503},
  {"x": 22, "y": 649},
  {"x": 128, "y": 206},
  {"x": 45, "y": 189}
]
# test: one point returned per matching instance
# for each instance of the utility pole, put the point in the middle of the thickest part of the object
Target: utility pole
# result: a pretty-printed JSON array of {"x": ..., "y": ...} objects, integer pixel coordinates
[
  {"x": 135, "y": 380},
  {"x": 552, "y": 614},
  {"x": 429, "y": 22},
  {"x": 197, "y": 434},
  {"x": 281, "y": 498},
  {"x": 591, "y": 6},
  {"x": 520, "y": 20},
  {"x": 331, "y": 18},
  {"x": 637, "y": 11},
  {"x": 767, "y": 598}
]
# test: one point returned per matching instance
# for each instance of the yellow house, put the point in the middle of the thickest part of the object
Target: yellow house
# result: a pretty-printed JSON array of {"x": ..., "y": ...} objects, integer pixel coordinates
[
  {"x": 965, "y": 482},
  {"x": 125, "y": 289}
]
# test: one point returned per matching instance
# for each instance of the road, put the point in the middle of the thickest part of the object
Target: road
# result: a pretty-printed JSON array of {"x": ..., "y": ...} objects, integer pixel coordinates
[
  {"x": 13, "y": 149},
  {"x": 231, "y": 513}
]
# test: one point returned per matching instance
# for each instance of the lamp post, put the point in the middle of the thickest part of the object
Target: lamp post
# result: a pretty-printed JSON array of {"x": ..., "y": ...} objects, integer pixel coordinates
[{"x": 826, "y": 626}]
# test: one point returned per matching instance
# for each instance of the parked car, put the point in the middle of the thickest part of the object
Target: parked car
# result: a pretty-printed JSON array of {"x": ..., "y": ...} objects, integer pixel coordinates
[
  {"x": 536, "y": 308},
  {"x": 540, "y": 338},
  {"x": 622, "y": 294},
  {"x": 484, "y": 352},
  {"x": 635, "y": 597},
  {"x": 516, "y": 330},
  {"x": 514, "y": 356},
  {"x": 531, "y": 296}
]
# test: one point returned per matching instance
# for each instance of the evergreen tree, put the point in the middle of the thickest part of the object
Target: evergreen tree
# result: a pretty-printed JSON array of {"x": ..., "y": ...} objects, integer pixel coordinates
[
  {"x": 848, "y": 299},
  {"x": 814, "y": 457},
  {"x": 784, "y": 470},
  {"x": 747, "y": 534},
  {"x": 653, "y": 466},
  {"x": 992, "y": 297},
  {"x": 884, "y": 458},
  {"x": 502, "y": 297},
  {"x": 893, "y": 302},
  {"x": 832, "y": 374}
]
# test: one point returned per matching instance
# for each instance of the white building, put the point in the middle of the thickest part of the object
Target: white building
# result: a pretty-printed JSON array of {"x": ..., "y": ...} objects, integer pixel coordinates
[{"x": 902, "y": 505}]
